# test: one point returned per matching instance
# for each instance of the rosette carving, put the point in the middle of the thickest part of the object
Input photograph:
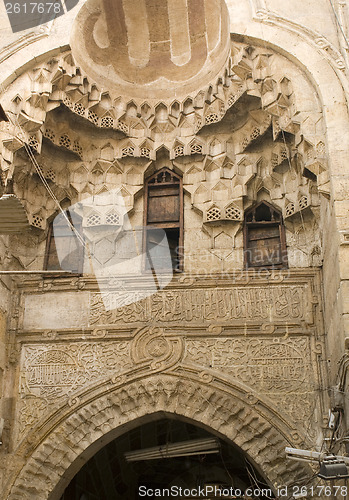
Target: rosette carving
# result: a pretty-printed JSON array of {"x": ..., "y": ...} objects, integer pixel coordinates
[{"x": 152, "y": 346}]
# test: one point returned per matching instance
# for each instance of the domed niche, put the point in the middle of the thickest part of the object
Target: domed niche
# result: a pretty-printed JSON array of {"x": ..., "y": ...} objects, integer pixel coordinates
[{"x": 152, "y": 49}]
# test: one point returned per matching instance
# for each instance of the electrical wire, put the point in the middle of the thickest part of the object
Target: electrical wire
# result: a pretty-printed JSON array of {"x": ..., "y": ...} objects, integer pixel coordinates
[
  {"x": 297, "y": 483},
  {"x": 339, "y": 23},
  {"x": 226, "y": 468},
  {"x": 42, "y": 178},
  {"x": 255, "y": 481}
]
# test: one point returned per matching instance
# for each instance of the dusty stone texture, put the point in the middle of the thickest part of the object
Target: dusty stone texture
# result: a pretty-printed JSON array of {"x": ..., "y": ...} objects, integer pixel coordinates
[{"x": 249, "y": 355}]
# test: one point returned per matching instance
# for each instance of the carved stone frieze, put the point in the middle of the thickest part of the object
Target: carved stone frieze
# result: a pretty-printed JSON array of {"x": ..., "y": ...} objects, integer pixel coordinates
[
  {"x": 275, "y": 365},
  {"x": 278, "y": 370},
  {"x": 204, "y": 306},
  {"x": 272, "y": 367},
  {"x": 54, "y": 372},
  {"x": 59, "y": 372}
]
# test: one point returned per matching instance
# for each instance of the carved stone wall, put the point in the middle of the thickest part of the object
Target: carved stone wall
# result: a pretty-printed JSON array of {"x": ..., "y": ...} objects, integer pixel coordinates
[
  {"x": 244, "y": 354},
  {"x": 256, "y": 134},
  {"x": 219, "y": 407},
  {"x": 265, "y": 340},
  {"x": 232, "y": 355}
]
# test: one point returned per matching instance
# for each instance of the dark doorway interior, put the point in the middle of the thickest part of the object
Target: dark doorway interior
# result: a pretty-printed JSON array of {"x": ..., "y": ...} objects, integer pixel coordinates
[{"x": 108, "y": 476}]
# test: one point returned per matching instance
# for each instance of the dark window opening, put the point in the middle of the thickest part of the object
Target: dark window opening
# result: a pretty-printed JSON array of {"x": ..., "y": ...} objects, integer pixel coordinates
[
  {"x": 64, "y": 249},
  {"x": 164, "y": 211},
  {"x": 154, "y": 246},
  {"x": 264, "y": 238}
]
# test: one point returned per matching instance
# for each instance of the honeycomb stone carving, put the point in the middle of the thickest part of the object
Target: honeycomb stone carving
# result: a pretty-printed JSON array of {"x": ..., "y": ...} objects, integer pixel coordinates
[
  {"x": 113, "y": 218},
  {"x": 196, "y": 149},
  {"x": 303, "y": 202},
  {"x": 33, "y": 143},
  {"x": 211, "y": 106},
  {"x": 290, "y": 209},
  {"x": 145, "y": 153},
  {"x": 211, "y": 118},
  {"x": 65, "y": 141},
  {"x": 49, "y": 133},
  {"x": 79, "y": 109},
  {"x": 107, "y": 122},
  {"x": 128, "y": 151},
  {"x": 37, "y": 220},
  {"x": 93, "y": 117},
  {"x": 179, "y": 151},
  {"x": 237, "y": 173}
]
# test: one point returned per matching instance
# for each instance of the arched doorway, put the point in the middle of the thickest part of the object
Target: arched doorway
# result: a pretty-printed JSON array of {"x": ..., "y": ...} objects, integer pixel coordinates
[
  {"x": 112, "y": 474},
  {"x": 83, "y": 428}
]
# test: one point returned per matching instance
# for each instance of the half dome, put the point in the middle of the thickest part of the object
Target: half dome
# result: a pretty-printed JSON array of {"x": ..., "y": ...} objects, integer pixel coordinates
[{"x": 152, "y": 49}]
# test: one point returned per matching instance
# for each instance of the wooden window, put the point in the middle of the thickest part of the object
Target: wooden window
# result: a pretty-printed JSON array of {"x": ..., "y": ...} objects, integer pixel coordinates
[
  {"x": 264, "y": 237},
  {"x": 164, "y": 210},
  {"x": 67, "y": 240}
]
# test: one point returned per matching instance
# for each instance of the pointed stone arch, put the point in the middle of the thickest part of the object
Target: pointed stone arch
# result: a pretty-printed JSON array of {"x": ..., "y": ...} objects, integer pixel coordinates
[{"x": 79, "y": 430}]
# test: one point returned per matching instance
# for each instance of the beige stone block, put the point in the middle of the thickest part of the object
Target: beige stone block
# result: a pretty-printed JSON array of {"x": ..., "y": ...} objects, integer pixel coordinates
[
  {"x": 340, "y": 186},
  {"x": 345, "y": 296},
  {"x": 346, "y": 327},
  {"x": 342, "y": 208},
  {"x": 56, "y": 310},
  {"x": 343, "y": 256}
]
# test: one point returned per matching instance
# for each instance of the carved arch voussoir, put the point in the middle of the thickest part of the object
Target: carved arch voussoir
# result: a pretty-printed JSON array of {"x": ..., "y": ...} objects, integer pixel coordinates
[{"x": 62, "y": 451}]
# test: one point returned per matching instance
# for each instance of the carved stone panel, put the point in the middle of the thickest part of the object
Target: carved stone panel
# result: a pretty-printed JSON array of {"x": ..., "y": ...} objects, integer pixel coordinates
[
  {"x": 52, "y": 374},
  {"x": 278, "y": 369},
  {"x": 269, "y": 365}
]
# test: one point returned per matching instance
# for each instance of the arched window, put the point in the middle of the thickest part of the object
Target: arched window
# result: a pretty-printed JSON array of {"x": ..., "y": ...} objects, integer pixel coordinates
[
  {"x": 264, "y": 237},
  {"x": 164, "y": 210},
  {"x": 64, "y": 249}
]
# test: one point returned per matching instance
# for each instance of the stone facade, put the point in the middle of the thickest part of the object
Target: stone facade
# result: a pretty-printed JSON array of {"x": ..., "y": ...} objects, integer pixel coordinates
[{"x": 256, "y": 355}]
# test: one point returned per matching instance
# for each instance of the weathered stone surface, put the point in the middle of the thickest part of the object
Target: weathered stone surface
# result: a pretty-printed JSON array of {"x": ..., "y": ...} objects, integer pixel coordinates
[{"x": 259, "y": 116}]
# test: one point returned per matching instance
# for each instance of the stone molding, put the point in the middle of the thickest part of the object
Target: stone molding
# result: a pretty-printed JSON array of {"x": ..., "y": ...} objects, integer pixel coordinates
[{"x": 263, "y": 14}]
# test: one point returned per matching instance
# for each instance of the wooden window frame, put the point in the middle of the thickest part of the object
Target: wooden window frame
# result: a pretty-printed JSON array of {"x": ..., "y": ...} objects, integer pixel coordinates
[
  {"x": 264, "y": 224},
  {"x": 165, "y": 225}
]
